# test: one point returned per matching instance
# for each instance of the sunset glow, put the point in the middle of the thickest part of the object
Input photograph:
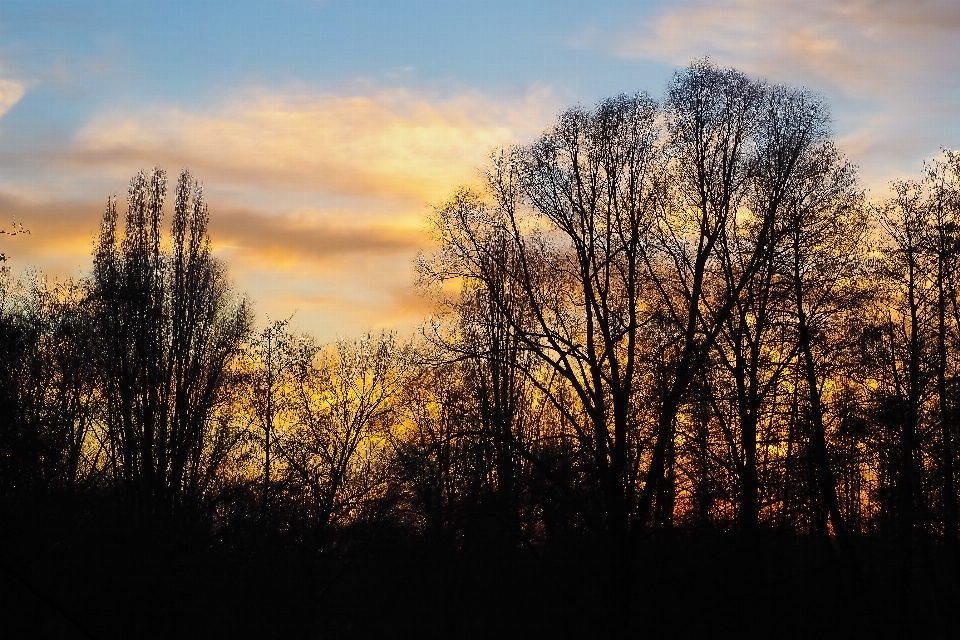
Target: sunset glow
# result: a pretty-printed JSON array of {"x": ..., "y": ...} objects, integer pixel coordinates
[
  {"x": 479, "y": 318},
  {"x": 325, "y": 132}
]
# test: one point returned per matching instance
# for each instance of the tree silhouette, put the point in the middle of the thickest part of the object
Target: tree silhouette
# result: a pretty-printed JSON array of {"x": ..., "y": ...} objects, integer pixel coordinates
[
  {"x": 679, "y": 363},
  {"x": 168, "y": 328},
  {"x": 335, "y": 451}
]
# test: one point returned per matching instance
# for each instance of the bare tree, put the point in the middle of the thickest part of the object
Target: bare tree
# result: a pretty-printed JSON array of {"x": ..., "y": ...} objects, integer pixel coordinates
[
  {"x": 575, "y": 206},
  {"x": 335, "y": 453},
  {"x": 49, "y": 388},
  {"x": 269, "y": 365},
  {"x": 712, "y": 118},
  {"x": 942, "y": 200},
  {"x": 825, "y": 262}
]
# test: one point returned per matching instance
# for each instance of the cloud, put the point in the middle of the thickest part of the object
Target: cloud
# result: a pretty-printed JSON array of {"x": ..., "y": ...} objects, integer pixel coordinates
[
  {"x": 317, "y": 199},
  {"x": 857, "y": 46},
  {"x": 320, "y": 238},
  {"x": 316, "y": 241},
  {"x": 61, "y": 233},
  {"x": 346, "y": 307},
  {"x": 339, "y": 276},
  {"x": 10, "y": 93},
  {"x": 389, "y": 145},
  {"x": 891, "y": 68}
]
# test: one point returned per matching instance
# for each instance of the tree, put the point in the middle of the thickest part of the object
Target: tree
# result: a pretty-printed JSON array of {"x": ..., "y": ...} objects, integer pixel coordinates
[
  {"x": 269, "y": 364},
  {"x": 942, "y": 201},
  {"x": 824, "y": 259},
  {"x": 168, "y": 329},
  {"x": 335, "y": 450},
  {"x": 49, "y": 389},
  {"x": 713, "y": 115},
  {"x": 573, "y": 208},
  {"x": 477, "y": 340}
]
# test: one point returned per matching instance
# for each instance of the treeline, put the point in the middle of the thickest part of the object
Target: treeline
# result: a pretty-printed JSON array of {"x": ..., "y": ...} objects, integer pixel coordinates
[{"x": 675, "y": 315}]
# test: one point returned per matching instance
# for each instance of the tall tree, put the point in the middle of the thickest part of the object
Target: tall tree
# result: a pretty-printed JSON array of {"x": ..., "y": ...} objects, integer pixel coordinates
[
  {"x": 909, "y": 329},
  {"x": 575, "y": 206},
  {"x": 712, "y": 118},
  {"x": 168, "y": 329},
  {"x": 824, "y": 260},
  {"x": 942, "y": 196}
]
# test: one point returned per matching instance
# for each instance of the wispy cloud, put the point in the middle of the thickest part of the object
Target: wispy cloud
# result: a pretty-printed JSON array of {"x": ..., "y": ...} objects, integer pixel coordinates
[
  {"x": 69, "y": 227},
  {"x": 857, "y": 46},
  {"x": 10, "y": 93},
  {"x": 339, "y": 276},
  {"x": 897, "y": 63},
  {"x": 61, "y": 233}
]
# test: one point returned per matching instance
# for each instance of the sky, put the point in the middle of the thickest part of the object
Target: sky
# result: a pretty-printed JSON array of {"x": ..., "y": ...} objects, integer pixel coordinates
[{"x": 324, "y": 131}]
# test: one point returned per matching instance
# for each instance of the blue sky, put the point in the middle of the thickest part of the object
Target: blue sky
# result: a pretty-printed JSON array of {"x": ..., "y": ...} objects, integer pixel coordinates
[{"x": 323, "y": 131}]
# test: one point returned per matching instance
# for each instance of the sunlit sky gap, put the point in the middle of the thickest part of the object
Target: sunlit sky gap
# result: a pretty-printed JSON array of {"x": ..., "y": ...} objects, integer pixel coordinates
[{"x": 323, "y": 131}]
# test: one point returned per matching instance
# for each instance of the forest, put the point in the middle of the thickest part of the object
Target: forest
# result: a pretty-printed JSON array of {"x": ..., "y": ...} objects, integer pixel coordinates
[{"x": 684, "y": 377}]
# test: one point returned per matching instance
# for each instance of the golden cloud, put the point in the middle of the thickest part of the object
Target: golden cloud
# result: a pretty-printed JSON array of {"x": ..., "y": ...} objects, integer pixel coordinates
[
  {"x": 339, "y": 276},
  {"x": 336, "y": 313},
  {"x": 325, "y": 238},
  {"x": 61, "y": 233},
  {"x": 317, "y": 200},
  {"x": 395, "y": 145},
  {"x": 68, "y": 229}
]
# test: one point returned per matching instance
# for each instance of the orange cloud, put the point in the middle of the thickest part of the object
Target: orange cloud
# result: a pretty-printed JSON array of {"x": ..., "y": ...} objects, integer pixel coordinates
[
  {"x": 857, "y": 46},
  {"x": 335, "y": 299},
  {"x": 61, "y": 233},
  {"x": 326, "y": 238},
  {"x": 339, "y": 277}
]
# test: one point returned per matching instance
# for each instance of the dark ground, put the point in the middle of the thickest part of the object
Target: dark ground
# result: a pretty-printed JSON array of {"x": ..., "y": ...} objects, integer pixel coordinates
[{"x": 91, "y": 579}]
